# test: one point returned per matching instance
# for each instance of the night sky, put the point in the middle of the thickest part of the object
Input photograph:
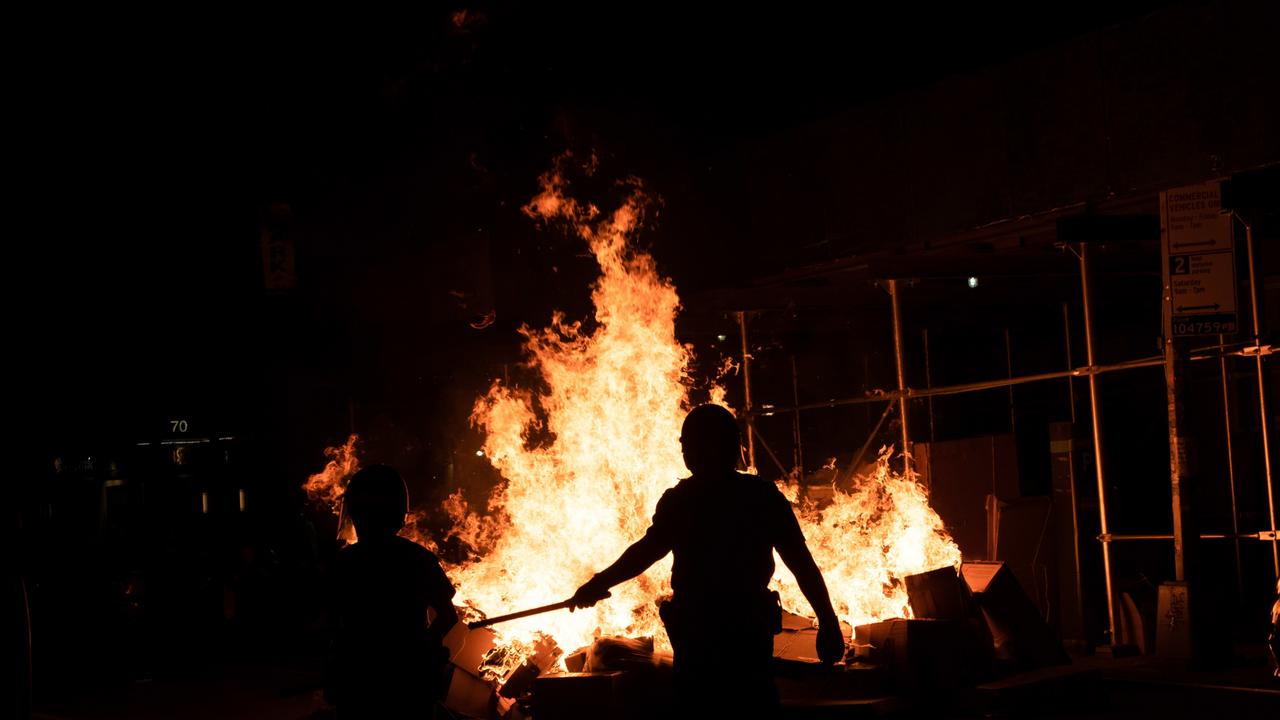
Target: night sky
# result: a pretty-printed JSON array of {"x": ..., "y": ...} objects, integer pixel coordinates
[{"x": 404, "y": 145}]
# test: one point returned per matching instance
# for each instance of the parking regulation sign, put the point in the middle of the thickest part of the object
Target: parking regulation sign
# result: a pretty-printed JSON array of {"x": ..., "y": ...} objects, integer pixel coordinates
[{"x": 1199, "y": 261}]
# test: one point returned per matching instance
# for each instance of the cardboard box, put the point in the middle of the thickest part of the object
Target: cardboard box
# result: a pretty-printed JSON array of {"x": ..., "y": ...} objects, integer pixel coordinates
[
  {"x": 921, "y": 653},
  {"x": 799, "y": 638},
  {"x": 940, "y": 594},
  {"x": 800, "y": 681},
  {"x": 468, "y": 647},
  {"x": 1022, "y": 639},
  {"x": 577, "y": 696},
  {"x": 470, "y": 696}
]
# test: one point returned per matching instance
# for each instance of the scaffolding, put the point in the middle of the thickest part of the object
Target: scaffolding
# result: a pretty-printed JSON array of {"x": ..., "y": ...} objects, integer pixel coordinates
[{"x": 897, "y": 400}]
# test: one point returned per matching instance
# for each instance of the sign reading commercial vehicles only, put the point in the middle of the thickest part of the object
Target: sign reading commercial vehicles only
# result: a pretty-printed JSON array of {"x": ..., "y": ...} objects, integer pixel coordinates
[{"x": 1199, "y": 260}]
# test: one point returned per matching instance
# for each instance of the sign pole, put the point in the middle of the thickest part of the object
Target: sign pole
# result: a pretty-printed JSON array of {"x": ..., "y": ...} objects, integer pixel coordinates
[{"x": 1199, "y": 298}]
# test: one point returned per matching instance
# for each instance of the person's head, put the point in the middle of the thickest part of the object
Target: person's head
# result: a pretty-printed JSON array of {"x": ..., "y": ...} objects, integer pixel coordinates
[
  {"x": 376, "y": 500},
  {"x": 709, "y": 440}
]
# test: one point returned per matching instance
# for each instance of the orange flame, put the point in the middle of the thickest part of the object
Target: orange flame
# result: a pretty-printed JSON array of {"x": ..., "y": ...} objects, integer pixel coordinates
[
  {"x": 328, "y": 485},
  {"x": 613, "y": 403},
  {"x": 868, "y": 539},
  {"x": 586, "y": 457}
]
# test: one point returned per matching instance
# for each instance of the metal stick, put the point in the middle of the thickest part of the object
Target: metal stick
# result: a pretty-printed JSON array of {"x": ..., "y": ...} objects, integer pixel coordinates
[
  {"x": 902, "y": 377},
  {"x": 522, "y": 614},
  {"x": 1097, "y": 439},
  {"x": 1071, "y": 475},
  {"x": 746, "y": 389},
  {"x": 1262, "y": 399},
  {"x": 928, "y": 380},
  {"x": 1231, "y": 470},
  {"x": 912, "y": 393},
  {"x": 798, "y": 453}
]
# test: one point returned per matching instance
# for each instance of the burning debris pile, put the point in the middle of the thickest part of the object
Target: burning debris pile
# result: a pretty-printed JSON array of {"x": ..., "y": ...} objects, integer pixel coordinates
[
  {"x": 866, "y": 541},
  {"x": 587, "y": 455}
]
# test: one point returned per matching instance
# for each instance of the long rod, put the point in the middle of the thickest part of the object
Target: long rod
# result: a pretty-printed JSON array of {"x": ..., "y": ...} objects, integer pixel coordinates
[
  {"x": 1146, "y": 536},
  {"x": 768, "y": 450},
  {"x": 866, "y": 445},
  {"x": 1179, "y": 440},
  {"x": 1071, "y": 384},
  {"x": 1262, "y": 401},
  {"x": 746, "y": 390},
  {"x": 879, "y": 395},
  {"x": 876, "y": 396},
  {"x": 1008, "y": 371},
  {"x": 1231, "y": 471},
  {"x": 928, "y": 379},
  {"x": 1087, "y": 301},
  {"x": 902, "y": 376},
  {"x": 517, "y": 615},
  {"x": 1071, "y": 477},
  {"x": 798, "y": 455}
]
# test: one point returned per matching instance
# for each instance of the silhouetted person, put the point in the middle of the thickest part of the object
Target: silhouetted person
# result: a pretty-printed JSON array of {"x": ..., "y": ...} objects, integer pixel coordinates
[
  {"x": 1273, "y": 637},
  {"x": 722, "y": 527},
  {"x": 387, "y": 660}
]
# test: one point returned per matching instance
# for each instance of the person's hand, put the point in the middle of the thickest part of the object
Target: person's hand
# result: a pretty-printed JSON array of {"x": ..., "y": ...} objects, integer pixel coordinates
[
  {"x": 591, "y": 592},
  {"x": 830, "y": 642}
]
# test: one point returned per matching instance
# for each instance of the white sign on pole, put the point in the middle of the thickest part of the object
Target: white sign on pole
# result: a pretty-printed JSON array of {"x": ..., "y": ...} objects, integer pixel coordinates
[{"x": 1199, "y": 260}]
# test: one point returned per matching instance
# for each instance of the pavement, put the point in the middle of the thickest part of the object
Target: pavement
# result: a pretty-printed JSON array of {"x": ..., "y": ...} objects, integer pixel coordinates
[{"x": 1091, "y": 688}]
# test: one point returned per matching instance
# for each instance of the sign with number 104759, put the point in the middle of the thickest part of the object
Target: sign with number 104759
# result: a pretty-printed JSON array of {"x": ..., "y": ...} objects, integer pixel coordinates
[
  {"x": 1199, "y": 259},
  {"x": 1219, "y": 324}
]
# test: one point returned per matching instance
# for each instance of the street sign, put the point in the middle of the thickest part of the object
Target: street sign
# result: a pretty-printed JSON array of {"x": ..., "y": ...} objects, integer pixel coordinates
[{"x": 1199, "y": 261}]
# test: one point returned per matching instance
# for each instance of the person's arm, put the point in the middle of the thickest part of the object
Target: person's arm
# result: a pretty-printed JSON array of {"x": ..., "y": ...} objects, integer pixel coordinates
[
  {"x": 446, "y": 618},
  {"x": 795, "y": 554},
  {"x": 644, "y": 552},
  {"x": 440, "y": 592}
]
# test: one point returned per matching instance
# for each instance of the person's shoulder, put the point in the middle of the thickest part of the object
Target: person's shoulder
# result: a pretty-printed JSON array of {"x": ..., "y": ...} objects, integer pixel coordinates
[
  {"x": 682, "y": 488},
  {"x": 411, "y": 549},
  {"x": 345, "y": 556},
  {"x": 767, "y": 490},
  {"x": 355, "y": 552},
  {"x": 674, "y": 496},
  {"x": 757, "y": 483}
]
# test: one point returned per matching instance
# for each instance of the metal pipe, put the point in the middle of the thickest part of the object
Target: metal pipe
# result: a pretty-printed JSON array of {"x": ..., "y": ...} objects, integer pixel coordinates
[
  {"x": 1071, "y": 385},
  {"x": 866, "y": 383},
  {"x": 928, "y": 380},
  {"x": 1179, "y": 440},
  {"x": 798, "y": 455},
  {"x": 878, "y": 395},
  {"x": 902, "y": 376},
  {"x": 1107, "y": 537},
  {"x": 1262, "y": 399},
  {"x": 768, "y": 450},
  {"x": 883, "y": 395},
  {"x": 1008, "y": 371},
  {"x": 866, "y": 445},
  {"x": 1071, "y": 476},
  {"x": 1087, "y": 299},
  {"x": 563, "y": 604},
  {"x": 1231, "y": 471},
  {"x": 746, "y": 390}
]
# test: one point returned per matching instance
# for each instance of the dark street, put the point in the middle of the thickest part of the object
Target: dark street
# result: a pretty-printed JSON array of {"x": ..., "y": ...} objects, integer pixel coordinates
[{"x": 535, "y": 361}]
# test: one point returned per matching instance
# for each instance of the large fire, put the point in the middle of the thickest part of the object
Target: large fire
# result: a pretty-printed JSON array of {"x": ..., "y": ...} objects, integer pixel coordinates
[{"x": 587, "y": 455}]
